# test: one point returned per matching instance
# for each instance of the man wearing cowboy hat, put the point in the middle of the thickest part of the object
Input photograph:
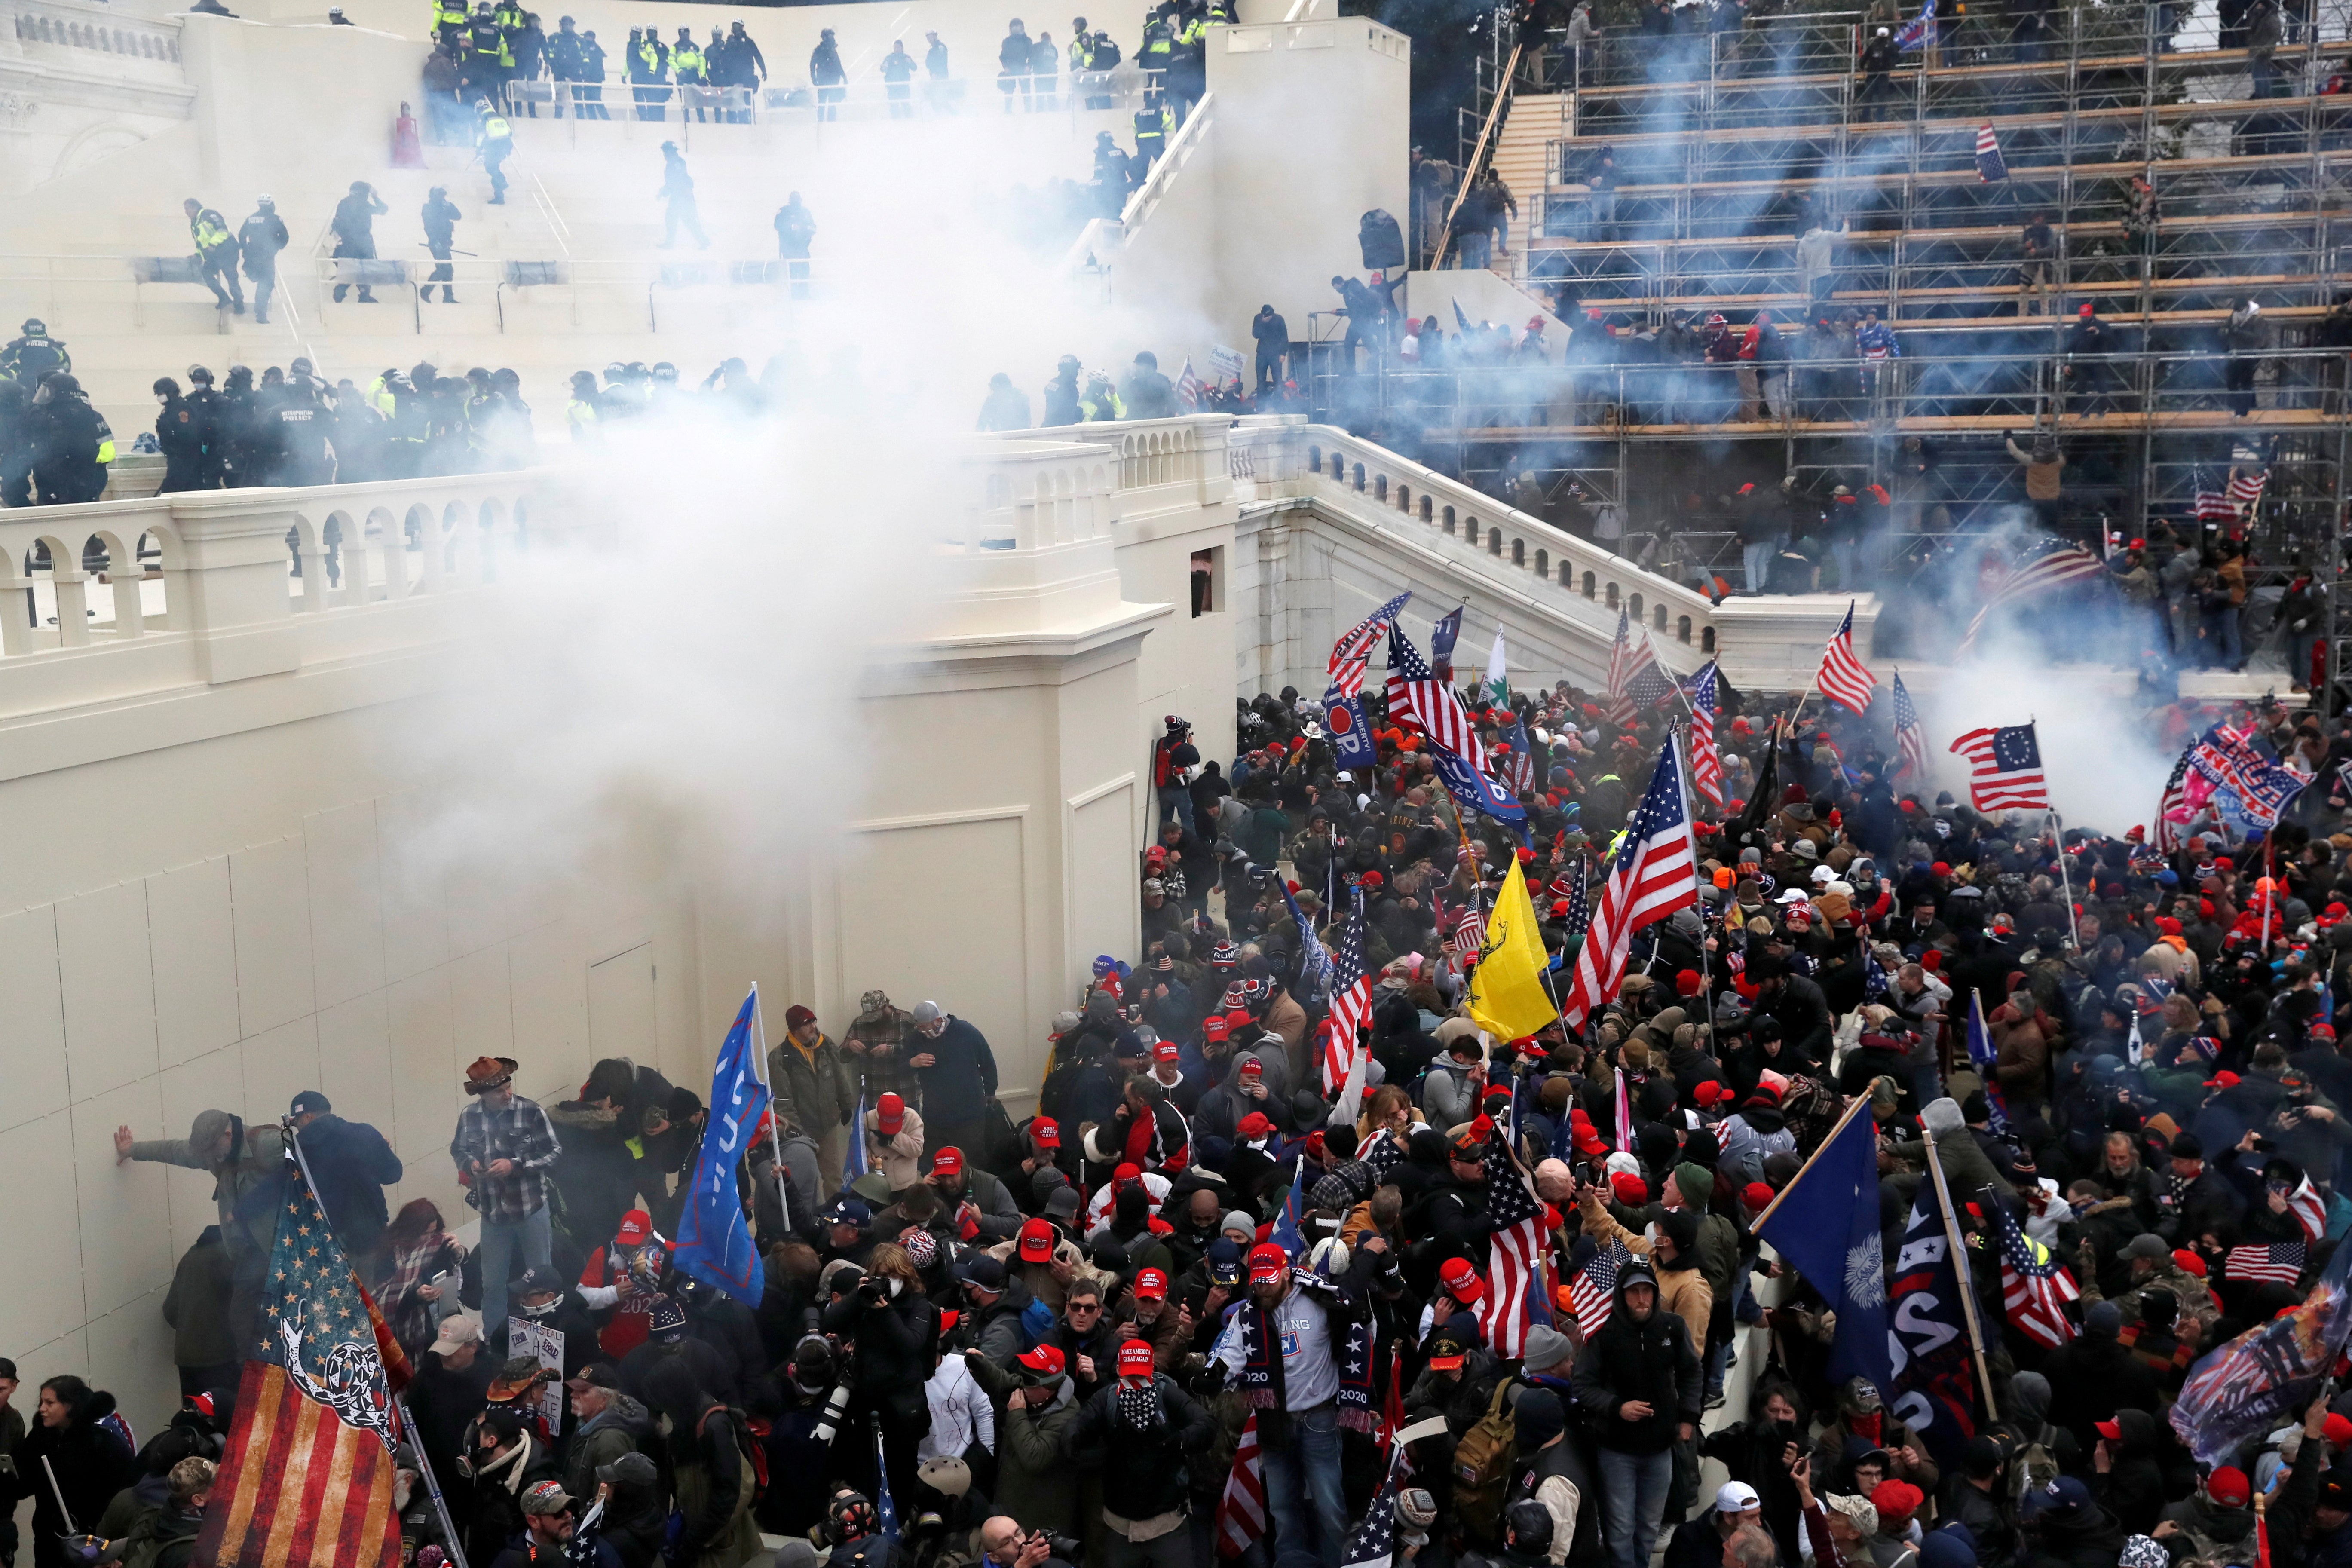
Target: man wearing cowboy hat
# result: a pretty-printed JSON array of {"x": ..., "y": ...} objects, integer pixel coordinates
[{"x": 504, "y": 1148}]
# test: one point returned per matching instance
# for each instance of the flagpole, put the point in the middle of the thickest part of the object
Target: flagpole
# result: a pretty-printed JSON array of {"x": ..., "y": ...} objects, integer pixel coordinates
[
  {"x": 1852, "y": 1110},
  {"x": 775, "y": 1132},
  {"x": 1705, "y": 968},
  {"x": 1960, "y": 1272},
  {"x": 293, "y": 1137}
]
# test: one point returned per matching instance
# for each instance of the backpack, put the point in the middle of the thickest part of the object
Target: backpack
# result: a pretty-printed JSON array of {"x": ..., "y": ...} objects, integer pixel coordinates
[
  {"x": 1483, "y": 1461},
  {"x": 749, "y": 1445},
  {"x": 1381, "y": 241},
  {"x": 2031, "y": 1470}
]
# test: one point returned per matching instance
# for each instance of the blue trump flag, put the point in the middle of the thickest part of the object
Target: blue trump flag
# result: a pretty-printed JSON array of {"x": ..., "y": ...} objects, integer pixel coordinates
[
  {"x": 1826, "y": 1222},
  {"x": 1286, "y": 1233},
  {"x": 1350, "y": 731},
  {"x": 714, "y": 1240},
  {"x": 1933, "y": 1388},
  {"x": 1443, "y": 632}
]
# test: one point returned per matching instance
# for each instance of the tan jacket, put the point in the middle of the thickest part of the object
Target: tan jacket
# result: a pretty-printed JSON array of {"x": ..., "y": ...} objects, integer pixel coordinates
[{"x": 1682, "y": 1291}]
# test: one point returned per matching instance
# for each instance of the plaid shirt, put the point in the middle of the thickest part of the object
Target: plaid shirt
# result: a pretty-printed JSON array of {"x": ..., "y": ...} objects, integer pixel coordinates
[
  {"x": 518, "y": 1132},
  {"x": 888, "y": 1073}
]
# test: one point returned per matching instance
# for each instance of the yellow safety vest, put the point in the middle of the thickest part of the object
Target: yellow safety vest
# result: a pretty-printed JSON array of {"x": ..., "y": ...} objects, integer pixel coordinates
[
  {"x": 380, "y": 398},
  {"x": 210, "y": 235},
  {"x": 686, "y": 59},
  {"x": 495, "y": 129},
  {"x": 651, "y": 55}
]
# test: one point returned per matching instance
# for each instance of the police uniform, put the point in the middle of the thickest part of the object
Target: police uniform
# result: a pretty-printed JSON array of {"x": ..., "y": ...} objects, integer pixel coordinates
[
  {"x": 259, "y": 240},
  {"x": 441, "y": 218},
  {"x": 216, "y": 254},
  {"x": 497, "y": 142},
  {"x": 689, "y": 69},
  {"x": 33, "y": 356}
]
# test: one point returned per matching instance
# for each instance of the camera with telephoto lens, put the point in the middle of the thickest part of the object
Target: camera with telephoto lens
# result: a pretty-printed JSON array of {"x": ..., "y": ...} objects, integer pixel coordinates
[{"x": 1065, "y": 1547}]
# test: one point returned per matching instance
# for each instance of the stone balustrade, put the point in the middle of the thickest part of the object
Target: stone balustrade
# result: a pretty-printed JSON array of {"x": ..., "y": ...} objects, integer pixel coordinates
[
  {"x": 230, "y": 606},
  {"x": 99, "y": 36}
]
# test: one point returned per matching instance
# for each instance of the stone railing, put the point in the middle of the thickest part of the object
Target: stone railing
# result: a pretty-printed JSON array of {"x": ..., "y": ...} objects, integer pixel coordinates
[
  {"x": 1151, "y": 465},
  {"x": 1039, "y": 493},
  {"x": 103, "y": 36},
  {"x": 1594, "y": 584},
  {"x": 106, "y": 599}
]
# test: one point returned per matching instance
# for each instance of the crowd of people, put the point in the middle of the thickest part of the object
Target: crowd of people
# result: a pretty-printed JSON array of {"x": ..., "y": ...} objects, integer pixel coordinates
[{"x": 1060, "y": 1338}]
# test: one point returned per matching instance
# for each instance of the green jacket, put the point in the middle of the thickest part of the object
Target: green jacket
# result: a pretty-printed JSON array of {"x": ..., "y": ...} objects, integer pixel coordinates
[
  {"x": 817, "y": 1091},
  {"x": 245, "y": 1191},
  {"x": 1035, "y": 1482}
]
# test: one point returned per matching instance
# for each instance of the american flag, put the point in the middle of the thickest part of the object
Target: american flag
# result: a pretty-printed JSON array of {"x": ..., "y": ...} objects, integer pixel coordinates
[
  {"x": 1354, "y": 649},
  {"x": 1707, "y": 761},
  {"x": 1351, "y": 1002},
  {"x": 1621, "y": 1102},
  {"x": 1515, "y": 1253},
  {"x": 1580, "y": 903},
  {"x": 2067, "y": 564},
  {"x": 2004, "y": 769},
  {"x": 2213, "y": 505},
  {"x": 2278, "y": 1263},
  {"x": 1519, "y": 768},
  {"x": 1372, "y": 1544},
  {"x": 1592, "y": 1294},
  {"x": 1910, "y": 737},
  {"x": 1989, "y": 166},
  {"x": 2247, "y": 488},
  {"x": 1240, "y": 1512},
  {"x": 1843, "y": 677},
  {"x": 1654, "y": 874},
  {"x": 2309, "y": 1210},
  {"x": 1382, "y": 1154},
  {"x": 1416, "y": 697},
  {"x": 306, "y": 1477},
  {"x": 2165, "y": 834},
  {"x": 1187, "y": 387},
  {"x": 1635, "y": 680},
  {"x": 2034, "y": 1286}
]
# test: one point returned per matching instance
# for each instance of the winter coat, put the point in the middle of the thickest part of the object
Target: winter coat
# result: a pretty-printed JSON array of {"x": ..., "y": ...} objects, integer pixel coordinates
[
  {"x": 622, "y": 1426},
  {"x": 1653, "y": 1360},
  {"x": 197, "y": 1304},
  {"x": 2133, "y": 1489},
  {"x": 899, "y": 1158},
  {"x": 1682, "y": 1291},
  {"x": 1143, "y": 1473},
  {"x": 815, "y": 1089},
  {"x": 712, "y": 1481},
  {"x": 1035, "y": 1482},
  {"x": 962, "y": 1079},
  {"x": 350, "y": 1166},
  {"x": 897, "y": 1340},
  {"x": 91, "y": 1464}
]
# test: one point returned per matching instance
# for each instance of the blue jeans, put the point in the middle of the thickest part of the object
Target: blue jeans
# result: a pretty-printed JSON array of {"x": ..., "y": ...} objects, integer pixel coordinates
[
  {"x": 532, "y": 1236},
  {"x": 1632, "y": 1501},
  {"x": 1176, "y": 801},
  {"x": 1756, "y": 560},
  {"x": 1307, "y": 1476}
]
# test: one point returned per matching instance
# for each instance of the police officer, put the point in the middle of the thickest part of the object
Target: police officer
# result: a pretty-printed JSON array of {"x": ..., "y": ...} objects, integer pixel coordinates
[
  {"x": 354, "y": 227},
  {"x": 441, "y": 216},
  {"x": 294, "y": 436},
  {"x": 450, "y": 20},
  {"x": 1158, "y": 43},
  {"x": 794, "y": 230},
  {"x": 1188, "y": 64},
  {"x": 495, "y": 140},
  {"x": 1154, "y": 123},
  {"x": 259, "y": 238},
  {"x": 493, "y": 59},
  {"x": 746, "y": 65},
  {"x": 1063, "y": 393},
  {"x": 208, "y": 411},
  {"x": 649, "y": 68},
  {"x": 215, "y": 253},
  {"x": 236, "y": 427},
  {"x": 689, "y": 70},
  {"x": 589, "y": 95},
  {"x": 72, "y": 443},
  {"x": 33, "y": 355},
  {"x": 580, "y": 413},
  {"x": 1101, "y": 400},
  {"x": 566, "y": 57},
  {"x": 180, "y": 434},
  {"x": 527, "y": 44}
]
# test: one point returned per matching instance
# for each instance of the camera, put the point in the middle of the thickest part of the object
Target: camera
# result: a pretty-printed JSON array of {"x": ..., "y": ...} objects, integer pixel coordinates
[{"x": 1065, "y": 1547}]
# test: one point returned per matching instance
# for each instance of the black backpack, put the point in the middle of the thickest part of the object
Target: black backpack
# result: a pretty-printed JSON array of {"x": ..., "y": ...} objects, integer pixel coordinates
[{"x": 1381, "y": 240}]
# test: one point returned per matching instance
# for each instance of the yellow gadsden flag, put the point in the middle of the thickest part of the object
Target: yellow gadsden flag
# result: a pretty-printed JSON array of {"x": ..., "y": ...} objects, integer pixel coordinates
[{"x": 1507, "y": 990}]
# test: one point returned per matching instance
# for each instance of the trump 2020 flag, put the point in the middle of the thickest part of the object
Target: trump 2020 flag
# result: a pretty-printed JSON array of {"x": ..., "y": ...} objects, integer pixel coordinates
[
  {"x": 1934, "y": 1385},
  {"x": 2259, "y": 1380},
  {"x": 307, "y": 1479},
  {"x": 714, "y": 1240},
  {"x": 1826, "y": 1222},
  {"x": 1920, "y": 30}
]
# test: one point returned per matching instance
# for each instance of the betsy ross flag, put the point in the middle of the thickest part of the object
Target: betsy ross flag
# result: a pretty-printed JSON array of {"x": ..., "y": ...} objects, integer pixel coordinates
[
  {"x": 1240, "y": 1512},
  {"x": 1910, "y": 736},
  {"x": 1652, "y": 876},
  {"x": 1351, "y": 1004},
  {"x": 1707, "y": 761},
  {"x": 1593, "y": 1292},
  {"x": 1187, "y": 387},
  {"x": 307, "y": 1479},
  {"x": 2004, "y": 769},
  {"x": 2034, "y": 1286},
  {"x": 1515, "y": 1251},
  {"x": 1990, "y": 167},
  {"x": 1844, "y": 679}
]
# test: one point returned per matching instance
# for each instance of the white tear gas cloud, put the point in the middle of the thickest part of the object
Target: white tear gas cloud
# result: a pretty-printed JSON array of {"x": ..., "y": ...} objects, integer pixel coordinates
[
  {"x": 2099, "y": 751},
  {"x": 683, "y": 673}
]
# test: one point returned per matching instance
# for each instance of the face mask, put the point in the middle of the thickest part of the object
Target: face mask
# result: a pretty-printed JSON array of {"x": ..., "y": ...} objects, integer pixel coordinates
[
  {"x": 1867, "y": 1425},
  {"x": 1650, "y": 1234},
  {"x": 897, "y": 1285}
]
